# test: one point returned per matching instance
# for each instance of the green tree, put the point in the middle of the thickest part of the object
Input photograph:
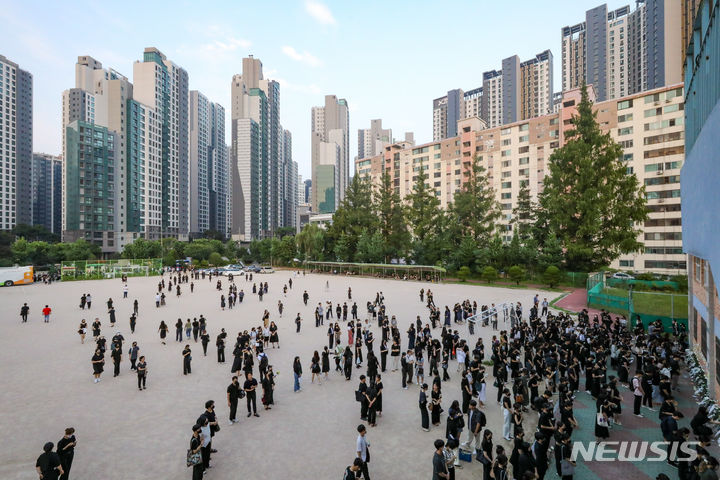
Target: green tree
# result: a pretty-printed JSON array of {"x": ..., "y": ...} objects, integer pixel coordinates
[
  {"x": 423, "y": 216},
  {"x": 551, "y": 253},
  {"x": 391, "y": 217},
  {"x": 551, "y": 277},
  {"x": 80, "y": 250},
  {"x": 284, "y": 250},
  {"x": 310, "y": 242},
  {"x": 370, "y": 247},
  {"x": 142, "y": 248},
  {"x": 215, "y": 259},
  {"x": 524, "y": 215},
  {"x": 591, "y": 202},
  {"x": 355, "y": 214},
  {"x": 474, "y": 208},
  {"x": 463, "y": 273},
  {"x": 489, "y": 274},
  {"x": 516, "y": 274}
]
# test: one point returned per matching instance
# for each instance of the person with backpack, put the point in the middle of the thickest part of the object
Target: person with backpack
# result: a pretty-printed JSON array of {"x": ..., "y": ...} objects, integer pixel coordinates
[{"x": 351, "y": 470}]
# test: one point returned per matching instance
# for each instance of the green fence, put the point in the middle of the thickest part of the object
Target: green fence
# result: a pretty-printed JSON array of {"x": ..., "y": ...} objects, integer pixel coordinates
[
  {"x": 99, "y": 269},
  {"x": 644, "y": 284},
  {"x": 637, "y": 306}
]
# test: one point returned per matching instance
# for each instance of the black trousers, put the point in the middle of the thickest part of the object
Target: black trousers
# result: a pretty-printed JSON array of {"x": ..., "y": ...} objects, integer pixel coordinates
[
  {"x": 198, "y": 471},
  {"x": 186, "y": 366},
  {"x": 24, "y": 317},
  {"x": 116, "y": 368},
  {"x": 132, "y": 363},
  {"x": 141, "y": 381},
  {"x": 425, "y": 418},
  {"x": 636, "y": 404},
  {"x": 363, "y": 410},
  {"x": 403, "y": 372},
  {"x": 221, "y": 355},
  {"x": 250, "y": 398},
  {"x": 205, "y": 451},
  {"x": 233, "y": 409},
  {"x": 66, "y": 462},
  {"x": 364, "y": 471},
  {"x": 178, "y": 335},
  {"x": 204, "y": 345}
]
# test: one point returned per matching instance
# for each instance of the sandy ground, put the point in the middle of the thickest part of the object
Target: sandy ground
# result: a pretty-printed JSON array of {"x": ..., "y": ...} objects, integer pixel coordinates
[{"x": 124, "y": 433}]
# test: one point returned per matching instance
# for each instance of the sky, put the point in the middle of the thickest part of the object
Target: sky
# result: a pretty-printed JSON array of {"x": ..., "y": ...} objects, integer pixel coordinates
[{"x": 389, "y": 59}]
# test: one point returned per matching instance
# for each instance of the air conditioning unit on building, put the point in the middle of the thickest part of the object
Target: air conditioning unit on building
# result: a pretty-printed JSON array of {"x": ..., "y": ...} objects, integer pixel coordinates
[
  {"x": 659, "y": 172},
  {"x": 661, "y": 200}
]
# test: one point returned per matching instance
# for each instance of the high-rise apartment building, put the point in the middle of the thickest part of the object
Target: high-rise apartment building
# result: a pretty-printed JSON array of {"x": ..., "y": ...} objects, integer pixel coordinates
[
  {"x": 47, "y": 191},
  {"x": 372, "y": 140},
  {"x": 623, "y": 52},
  {"x": 453, "y": 107},
  {"x": 209, "y": 167},
  {"x": 90, "y": 181},
  {"x": 261, "y": 155},
  {"x": 518, "y": 91},
  {"x": 16, "y": 143},
  {"x": 163, "y": 86},
  {"x": 330, "y": 150},
  {"x": 150, "y": 170},
  {"x": 700, "y": 177},
  {"x": 649, "y": 127}
]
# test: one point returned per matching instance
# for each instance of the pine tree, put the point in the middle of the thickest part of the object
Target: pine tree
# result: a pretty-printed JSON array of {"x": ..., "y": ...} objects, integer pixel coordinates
[
  {"x": 391, "y": 218},
  {"x": 524, "y": 215},
  {"x": 591, "y": 203},
  {"x": 355, "y": 214},
  {"x": 424, "y": 218},
  {"x": 474, "y": 207}
]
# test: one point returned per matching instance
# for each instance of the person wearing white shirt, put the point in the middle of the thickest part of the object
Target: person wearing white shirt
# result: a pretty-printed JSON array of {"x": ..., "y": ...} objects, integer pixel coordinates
[{"x": 362, "y": 450}]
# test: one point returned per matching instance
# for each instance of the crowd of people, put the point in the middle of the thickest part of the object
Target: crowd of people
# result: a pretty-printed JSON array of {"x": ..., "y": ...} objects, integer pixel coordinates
[{"x": 532, "y": 368}]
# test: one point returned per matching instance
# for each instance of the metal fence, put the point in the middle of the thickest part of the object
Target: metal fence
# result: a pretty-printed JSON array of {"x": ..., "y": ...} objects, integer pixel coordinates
[
  {"x": 638, "y": 306},
  {"x": 99, "y": 269}
]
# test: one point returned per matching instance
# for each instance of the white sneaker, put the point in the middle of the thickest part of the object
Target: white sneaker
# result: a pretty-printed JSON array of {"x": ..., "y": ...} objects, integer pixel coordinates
[{"x": 231, "y": 422}]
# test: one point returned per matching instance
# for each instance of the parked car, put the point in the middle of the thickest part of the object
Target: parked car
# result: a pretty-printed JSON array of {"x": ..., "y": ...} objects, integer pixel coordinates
[
  {"x": 252, "y": 269},
  {"x": 623, "y": 276},
  {"x": 236, "y": 272},
  {"x": 266, "y": 269}
]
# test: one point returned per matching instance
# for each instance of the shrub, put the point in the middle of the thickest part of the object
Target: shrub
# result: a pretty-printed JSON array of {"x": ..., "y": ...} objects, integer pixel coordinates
[
  {"x": 551, "y": 277},
  {"x": 489, "y": 274},
  {"x": 463, "y": 273},
  {"x": 517, "y": 274}
]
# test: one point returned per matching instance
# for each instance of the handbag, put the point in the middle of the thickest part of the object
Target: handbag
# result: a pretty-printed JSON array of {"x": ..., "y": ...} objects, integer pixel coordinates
[
  {"x": 601, "y": 420},
  {"x": 367, "y": 453},
  {"x": 481, "y": 457},
  {"x": 566, "y": 468},
  {"x": 358, "y": 396},
  {"x": 193, "y": 458}
]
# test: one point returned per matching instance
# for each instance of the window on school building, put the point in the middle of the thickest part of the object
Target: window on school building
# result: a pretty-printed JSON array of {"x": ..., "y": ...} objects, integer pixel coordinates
[
  {"x": 703, "y": 337},
  {"x": 625, "y": 131},
  {"x": 627, "y": 263},
  {"x": 625, "y": 104},
  {"x": 506, "y": 185}
]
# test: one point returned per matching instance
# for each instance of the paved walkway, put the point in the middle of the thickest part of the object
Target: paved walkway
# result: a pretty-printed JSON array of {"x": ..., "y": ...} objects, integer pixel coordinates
[{"x": 576, "y": 301}]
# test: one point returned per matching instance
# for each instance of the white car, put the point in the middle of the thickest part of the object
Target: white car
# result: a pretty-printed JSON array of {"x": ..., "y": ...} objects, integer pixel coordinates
[
  {"x": 266, "y": 270},
  {"x": 623, "y": 276},
  {"x": 235, "y": 272}
]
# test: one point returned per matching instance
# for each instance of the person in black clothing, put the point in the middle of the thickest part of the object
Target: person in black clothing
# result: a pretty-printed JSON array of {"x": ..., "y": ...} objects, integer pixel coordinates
[
  {"x": 250, "y": 386},
  {"x": 422, "y": 403},
  {"x": 141, "y": 369},
  {"x": 48, "y": 464},
  {"x": 220, "y": 342},
  {"x": 351, "y": 472},
  {"x": 195, "y": 446},
  {"x": 539, "y": 452},
  {"x": 205, "y": 340},
  {"x": 364, "y": 400},
  {"x": 187, "y": 358},
  {"x": 133, "y": 321},
  {"x": 24, "y": 310},
  {"x": 372, "y": 397},
  {"x": 116, "y": 355},
  {"x": 178, "y": 330},
  {"x": 233, "y": 394},
  {"x": 66, "y": 452},
  {"x": 135, "y": 307}
]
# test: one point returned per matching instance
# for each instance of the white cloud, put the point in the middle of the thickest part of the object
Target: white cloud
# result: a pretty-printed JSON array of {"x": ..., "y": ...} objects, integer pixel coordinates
[
  {"x": 226, "y": 45},
  {"x": 304, "y": 57},
  {"x": 320, "y": 12}
]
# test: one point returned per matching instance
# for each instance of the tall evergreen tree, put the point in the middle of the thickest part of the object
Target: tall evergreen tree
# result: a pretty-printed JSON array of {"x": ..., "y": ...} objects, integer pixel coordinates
[
  {"x": 591, "y": 203},
  {"x": 524, "y": 215},
  {"x": 474, "y": 208},
  {"x": 424, "y": 216},
  {"x": 355, "y": 214},
  {"x": 391, "y": 218}
]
